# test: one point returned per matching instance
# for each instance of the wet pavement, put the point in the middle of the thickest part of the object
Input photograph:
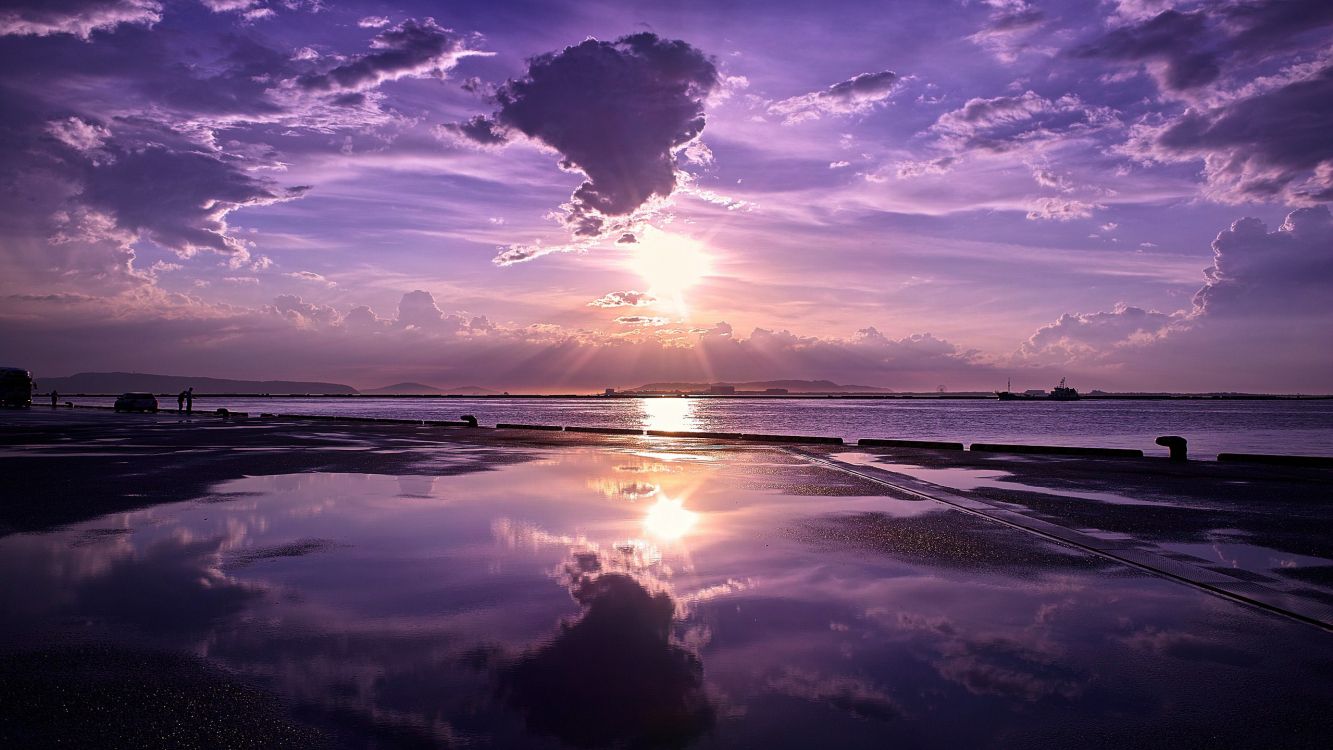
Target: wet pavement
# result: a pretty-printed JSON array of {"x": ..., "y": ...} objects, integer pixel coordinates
[{"x": 168, "y": 582}]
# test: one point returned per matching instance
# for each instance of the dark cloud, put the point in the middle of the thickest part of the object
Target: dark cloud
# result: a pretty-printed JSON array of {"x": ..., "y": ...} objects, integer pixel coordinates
[
  {"x": 1194, "y": 48},
  {"x": 412, "y": 48},
  {"x": 630, "y": 298},
  {"x": 578, "y": 687},
  {"x": 1172, "y": 39},
  {"x": 1274, "y": 144},
  {"x": 78, "y": 18},
  {"x": 616, "y": 112},
  {"x": 178, "y": 198},
  {"x": 857, "y": 94},
  {"x": 1257, "y": 272},
  {"x": 479, "y": 130}
]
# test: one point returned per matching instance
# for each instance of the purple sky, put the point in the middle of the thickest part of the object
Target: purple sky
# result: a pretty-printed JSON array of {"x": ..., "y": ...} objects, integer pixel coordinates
[{"x": 1132, "y": 193}]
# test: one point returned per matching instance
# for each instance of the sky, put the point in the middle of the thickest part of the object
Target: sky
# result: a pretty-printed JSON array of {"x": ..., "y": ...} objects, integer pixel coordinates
[{"x": 556, "y": 197}]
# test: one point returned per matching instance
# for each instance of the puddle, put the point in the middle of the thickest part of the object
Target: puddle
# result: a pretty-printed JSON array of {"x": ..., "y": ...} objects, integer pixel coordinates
[
  {"x": 960, "y": 478},
  {"x": 619, "y": 598}
]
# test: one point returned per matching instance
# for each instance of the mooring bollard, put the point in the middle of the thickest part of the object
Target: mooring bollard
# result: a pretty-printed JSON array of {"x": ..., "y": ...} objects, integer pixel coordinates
[
  {"x": 222, "y": 412},
  {"x": 1176, "y": 444},
  {"x": 471, "y": 420}
]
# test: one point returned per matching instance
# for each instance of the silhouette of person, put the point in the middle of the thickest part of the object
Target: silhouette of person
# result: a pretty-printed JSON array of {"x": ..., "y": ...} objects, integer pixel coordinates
[
  {"x": 180, "y": 402},
  {"x": 55, "y": 397},
  {"x": 189, "y": 400}
]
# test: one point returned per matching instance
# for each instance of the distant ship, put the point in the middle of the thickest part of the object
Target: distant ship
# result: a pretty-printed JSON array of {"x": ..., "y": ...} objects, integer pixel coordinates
[
  {"x": 1008, "y": 393},
  {"x": 1063, "y": 392}
]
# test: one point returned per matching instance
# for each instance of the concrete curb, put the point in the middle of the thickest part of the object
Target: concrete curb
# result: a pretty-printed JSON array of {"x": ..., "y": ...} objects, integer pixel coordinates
[
  {"x": 548, "y": 427},
  {"x": 894, "y": 443},
  {"x": 606, "y": 430},
  {"x": 1279, "y": 460},
  {"x": 792, "y": 439},
  {"x": 694, "y": 434},
  {"x": 1056, "y": 450}
]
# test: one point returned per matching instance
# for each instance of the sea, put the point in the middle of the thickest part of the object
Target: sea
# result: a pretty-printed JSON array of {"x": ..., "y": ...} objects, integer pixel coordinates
[{"x": 1289, "y": 426}]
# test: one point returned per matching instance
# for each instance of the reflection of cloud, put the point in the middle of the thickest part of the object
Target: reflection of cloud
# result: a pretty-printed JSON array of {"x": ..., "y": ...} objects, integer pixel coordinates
[
  {"x": 613, "y": 488},
  {"x": 613, "y": 677},
  {"x": 175, "y": 586},
  {"x": 845, "y": 693},
  {"x": 1026, "y": 667}
]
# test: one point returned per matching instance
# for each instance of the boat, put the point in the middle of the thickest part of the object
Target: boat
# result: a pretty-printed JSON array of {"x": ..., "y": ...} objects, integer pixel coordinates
[
  {"x": 1063, "y": 392},
  {"x": 1008, "y": 393}
]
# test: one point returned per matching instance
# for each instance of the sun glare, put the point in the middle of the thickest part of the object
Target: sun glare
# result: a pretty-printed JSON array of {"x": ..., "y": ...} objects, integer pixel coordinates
[
  {"x": 667, "y": 519},
  {"x": 670, "y": 264}
]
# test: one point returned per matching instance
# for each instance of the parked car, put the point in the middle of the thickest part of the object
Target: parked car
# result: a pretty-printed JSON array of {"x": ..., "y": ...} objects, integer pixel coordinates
[
  {"x": 136, "y": 402},
  {"x": 15, "y": 386}
]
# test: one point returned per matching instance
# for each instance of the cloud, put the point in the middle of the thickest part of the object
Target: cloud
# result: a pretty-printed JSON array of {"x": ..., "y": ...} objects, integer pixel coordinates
[
  {"x": 1005, "y": 123},
  {"x": 856, "y": 95},
  {"x": 411, "y": 49},
  {"x": 1273, "y": 144},
  {"x": 78, "y": 18},
  {"x": 518, "y": 253},
  {"x": 373, "y": 22},
  {"x": 1250, "y": 323},
  {"x": 1167, "y": 40},
  {"x": 311, "y": 276},
  {"x": 304, "y": 313},
  {"x": 177, "y": 198},
  {"x": 624, "y": 299},
  {"x": 617, "y": 112},
  {"x": 641, "y": 320},
  {"x": 1285, "y": 272},
  {"x": 1060, "y": 209},
  {"x": 1187, "y": 50},
  {"x": 1097, "y": 335},
  {"x": 1009, "y": 29}
]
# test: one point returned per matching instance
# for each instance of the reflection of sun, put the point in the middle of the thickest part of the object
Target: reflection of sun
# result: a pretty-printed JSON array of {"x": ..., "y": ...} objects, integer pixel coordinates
[
  {"x": 668, "y": 413},
  {"x": 668, "y": 519},
  {"x": 670, "y": 264}
]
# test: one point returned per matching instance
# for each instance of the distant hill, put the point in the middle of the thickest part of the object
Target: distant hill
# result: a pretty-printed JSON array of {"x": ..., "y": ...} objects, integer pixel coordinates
[
  {"x": 119, "y": 382},
  {"x": 402, "y": 389},
  {"x": 471, "y": 390},
  {"x": 794, "y": 386}
]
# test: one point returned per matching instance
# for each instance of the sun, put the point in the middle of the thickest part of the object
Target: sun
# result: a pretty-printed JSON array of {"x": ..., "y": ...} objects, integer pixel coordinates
[{"x": 670, "y": 264}]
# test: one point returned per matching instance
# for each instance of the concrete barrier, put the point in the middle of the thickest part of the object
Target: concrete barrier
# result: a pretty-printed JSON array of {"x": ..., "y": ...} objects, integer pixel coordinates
[
  {"x": 606, "y": 430},
  {"x": 695, "y": 434},
  {"x": 446, "y": 423},
  {"x": 793, "y": 439},
  {"x": 1279, "y": 460},
  {"x": 510, "y": 426},
  {"x": 1056, "y": 450},
  {"x": 891, "y": 443}
]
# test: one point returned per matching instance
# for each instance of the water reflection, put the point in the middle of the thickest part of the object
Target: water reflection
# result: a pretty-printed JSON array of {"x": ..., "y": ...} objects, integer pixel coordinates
[
  {"x": 668, "y": 519},
  {"x": 612, "y": 677},
  {"x": 756, "y": 601},
  {"x": 669, "y": 413}
]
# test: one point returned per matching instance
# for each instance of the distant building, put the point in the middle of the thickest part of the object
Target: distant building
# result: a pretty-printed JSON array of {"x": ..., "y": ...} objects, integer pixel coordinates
[
  {"x": 721, "y": 390},
  {"x": 775, "y": 391},
  {"x": 609, "y": 392}
]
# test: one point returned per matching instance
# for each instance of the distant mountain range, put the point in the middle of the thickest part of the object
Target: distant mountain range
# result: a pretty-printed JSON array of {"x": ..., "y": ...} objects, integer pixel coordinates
[
  {"x": 120, "y": 382},
  {"x": 792, "y": 386},
  {"x": 421, "y": 389}
]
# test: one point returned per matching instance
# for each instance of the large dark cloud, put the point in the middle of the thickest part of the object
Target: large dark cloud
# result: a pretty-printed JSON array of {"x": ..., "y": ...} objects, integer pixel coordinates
[
  {"x": 78, "y": 18},
  {"x": 1194, "y": 48},
  {"x": 412, "y": 48},
  {"x": 1277, "y": 143},
  {"x": 1285, "y": 272},
  {"x": 616, "y": 111}
]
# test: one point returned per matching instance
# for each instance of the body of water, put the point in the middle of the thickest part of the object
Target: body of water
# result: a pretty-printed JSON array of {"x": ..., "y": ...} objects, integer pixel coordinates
[{"x": 1300, "y": 427}]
